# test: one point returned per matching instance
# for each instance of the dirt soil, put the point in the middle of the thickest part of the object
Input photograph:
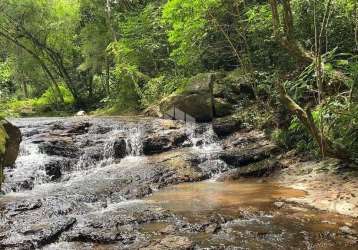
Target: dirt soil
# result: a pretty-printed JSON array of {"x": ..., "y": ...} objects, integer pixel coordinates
[{"x": 330, "y": 185}]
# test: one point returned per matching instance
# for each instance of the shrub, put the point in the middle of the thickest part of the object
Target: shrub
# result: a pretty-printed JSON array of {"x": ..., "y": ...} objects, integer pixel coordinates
[{"x": 46, "y": 103}]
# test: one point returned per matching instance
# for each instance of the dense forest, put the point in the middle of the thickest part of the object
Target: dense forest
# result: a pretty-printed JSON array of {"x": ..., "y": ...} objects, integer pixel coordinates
[{"x": 298, "y": 58}]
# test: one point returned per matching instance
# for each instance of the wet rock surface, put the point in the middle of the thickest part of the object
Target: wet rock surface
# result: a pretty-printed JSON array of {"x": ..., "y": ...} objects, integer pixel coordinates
[
  {"x": 82, "y": 183},
  {"x": 226, "y": 126}
]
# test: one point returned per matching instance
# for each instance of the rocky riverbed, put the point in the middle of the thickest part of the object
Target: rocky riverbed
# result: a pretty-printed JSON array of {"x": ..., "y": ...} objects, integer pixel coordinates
[{"x": 143, "y": 183}]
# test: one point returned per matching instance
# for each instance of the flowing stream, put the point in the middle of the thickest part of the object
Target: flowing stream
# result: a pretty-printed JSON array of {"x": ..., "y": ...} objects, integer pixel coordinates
[{"x": 140, "y": 183}]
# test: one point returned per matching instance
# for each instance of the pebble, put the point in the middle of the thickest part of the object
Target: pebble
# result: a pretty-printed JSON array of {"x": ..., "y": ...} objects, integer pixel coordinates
[
  {"x": 347, "y": 230},
  {"x": 212, "y": 228},
  {"x": 279, "y": 204}
]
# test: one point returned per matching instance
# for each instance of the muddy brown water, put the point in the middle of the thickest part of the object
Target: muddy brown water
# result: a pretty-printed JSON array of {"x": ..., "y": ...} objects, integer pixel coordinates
[{"x": 257, "y": 217}]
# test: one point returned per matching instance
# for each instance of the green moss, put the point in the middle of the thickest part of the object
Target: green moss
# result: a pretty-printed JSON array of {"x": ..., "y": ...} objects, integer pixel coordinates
[
  {"x": 3, "y": 138},
  {"x": 255, "y": 115},
  {"x": 114, "y": 110}
]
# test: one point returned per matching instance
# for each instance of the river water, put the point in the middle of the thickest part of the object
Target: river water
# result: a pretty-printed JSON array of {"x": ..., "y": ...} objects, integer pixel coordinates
[{"x": 140, "y": 183}]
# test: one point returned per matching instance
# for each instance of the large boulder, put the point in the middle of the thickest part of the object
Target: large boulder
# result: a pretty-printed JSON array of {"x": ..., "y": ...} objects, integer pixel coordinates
[
  {"x": 10, "y": 139},
  {"x": 235, "y": 86},
  {"x": 238, "y": 157},
  {"x": 197, "y": 99},
  {"x": 256, "y": 169}
]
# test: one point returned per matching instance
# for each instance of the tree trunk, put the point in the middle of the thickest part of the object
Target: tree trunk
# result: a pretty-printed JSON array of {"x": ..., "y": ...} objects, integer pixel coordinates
[
  {"x": 107, "y": 76},
  {"x": 327, "y": 147},
  {"x": 24, "y": 86},
  {"x": 39, "y": 60},
  {"x": 286, "y": 38},
  {"x": 109, "y": 20}
]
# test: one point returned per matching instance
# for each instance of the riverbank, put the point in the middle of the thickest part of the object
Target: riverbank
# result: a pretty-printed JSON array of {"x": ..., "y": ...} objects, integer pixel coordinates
[{"x": 330, "y": 185}]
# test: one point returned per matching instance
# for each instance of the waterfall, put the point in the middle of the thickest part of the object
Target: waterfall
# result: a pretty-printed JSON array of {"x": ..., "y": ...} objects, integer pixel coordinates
[{"x": 105, "y": 142}]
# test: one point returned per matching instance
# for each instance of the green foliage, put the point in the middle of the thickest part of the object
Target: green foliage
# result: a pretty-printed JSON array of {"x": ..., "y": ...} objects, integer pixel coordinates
[
  {"x": 144, "y": 41},
  {"x": 45, "y": 104},
  {"x": 157, "y": 88},
  {"x": 196, "y": 33}
]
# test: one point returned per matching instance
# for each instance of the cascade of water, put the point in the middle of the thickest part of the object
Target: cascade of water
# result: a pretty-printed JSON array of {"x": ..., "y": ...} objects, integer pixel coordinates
[
  {"x": 206, "y": 143},
  {"x": 202, "y": 137},
  {"x": 29, "y": 158},
  {"x": 132, "y": 134},
  {"x": 134, "y": 145}
]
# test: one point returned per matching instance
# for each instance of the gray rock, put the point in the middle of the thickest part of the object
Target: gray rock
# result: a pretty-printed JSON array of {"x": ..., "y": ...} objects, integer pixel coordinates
[
  {"x": 59, "y": 148},
  {"x": 238, "y": 157},
  {"x": 226, "y": 125},
  {"x": 35, "y": 235},
  {"x": 157, "y": 143},
  {"x": 348, "y": 230},
  {"x": 197, "y": 99},
  {"x": 53, "y": 170},
  {"x": 119, "y": 148},
  {"x": 256, "y": 169}
]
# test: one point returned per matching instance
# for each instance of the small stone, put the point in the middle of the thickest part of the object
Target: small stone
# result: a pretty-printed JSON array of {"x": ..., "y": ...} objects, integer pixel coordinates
[
  {"x": 347, "y": 230},
  {"x": 81, "y": 113},
  {"x": 279, "y": 204},
  {"x": 168, "y": 230},
  {"x": 212, "y": 228},
  {"x": 172, "y": 242}
]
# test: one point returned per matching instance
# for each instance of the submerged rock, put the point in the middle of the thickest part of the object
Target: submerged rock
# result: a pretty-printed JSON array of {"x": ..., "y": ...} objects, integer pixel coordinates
[
  {"x": 348, "y": 230},
  {"x": 53, "y": 170},
  {"x": 171, "y": 242},
  {"x": 119, "y": 148}
]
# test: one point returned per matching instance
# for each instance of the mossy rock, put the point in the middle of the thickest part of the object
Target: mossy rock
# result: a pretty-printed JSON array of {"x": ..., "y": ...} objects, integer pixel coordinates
[
  {"x": 3, "y": 139},
  {"x": 239, "y": 84},
  {"x": 222, "y": 107},
  {"x": 12, "y": 145},
  {"x": 197, "y": 100},
  {"x": 10, "y": 139},
  {"x": 225, "y": 126},
  {"x": 194, "y": 99}
]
